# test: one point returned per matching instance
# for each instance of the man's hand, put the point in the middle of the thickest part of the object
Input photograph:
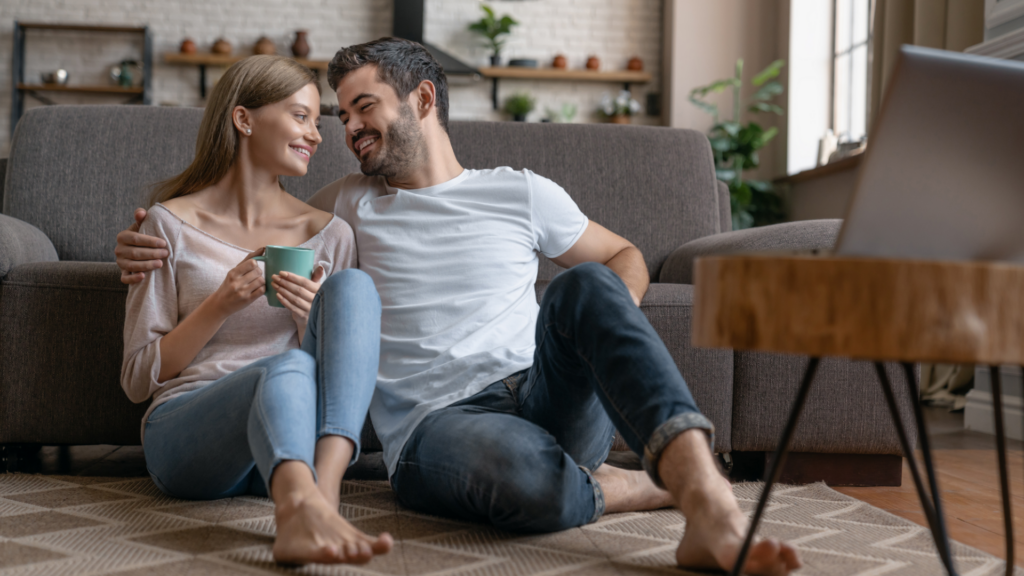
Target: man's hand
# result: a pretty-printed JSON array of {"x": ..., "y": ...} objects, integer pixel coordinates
[{"x": 137, "y": 253}]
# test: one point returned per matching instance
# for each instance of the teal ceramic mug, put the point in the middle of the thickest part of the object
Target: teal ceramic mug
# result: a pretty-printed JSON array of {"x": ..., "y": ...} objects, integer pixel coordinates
[{"x": 298, "y": 261}]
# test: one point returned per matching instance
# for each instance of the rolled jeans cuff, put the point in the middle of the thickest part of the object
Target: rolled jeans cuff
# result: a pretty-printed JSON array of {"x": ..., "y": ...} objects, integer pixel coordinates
[
  {"x": 666, "y": 432},
  {"x": 599, "y": 505},
  {"x": 355, "y": 438}
]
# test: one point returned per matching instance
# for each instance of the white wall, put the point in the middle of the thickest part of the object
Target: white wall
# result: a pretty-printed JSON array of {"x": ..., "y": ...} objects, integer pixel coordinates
[
  {"x": 614, "y": 30},
  {"x": 703, "y": 39}
]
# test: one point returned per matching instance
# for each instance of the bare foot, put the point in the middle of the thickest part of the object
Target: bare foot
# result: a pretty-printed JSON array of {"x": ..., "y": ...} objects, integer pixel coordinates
[
  {"x": 310, "y": 530},
  {"x": 629, "y": 490},
  {"x": 715, "y": 525}
]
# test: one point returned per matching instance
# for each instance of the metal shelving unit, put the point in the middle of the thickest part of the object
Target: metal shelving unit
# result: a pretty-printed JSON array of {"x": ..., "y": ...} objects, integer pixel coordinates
[{"x": 20, "y": 89}]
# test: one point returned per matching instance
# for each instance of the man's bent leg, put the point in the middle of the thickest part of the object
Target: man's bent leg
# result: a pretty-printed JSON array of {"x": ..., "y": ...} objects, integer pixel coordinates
[
  {"x": 478, "y": 461},
  {"x": 596, "y": 349}
]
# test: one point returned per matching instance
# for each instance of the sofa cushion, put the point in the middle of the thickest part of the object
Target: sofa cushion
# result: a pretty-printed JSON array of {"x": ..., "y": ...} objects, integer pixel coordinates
[{"x": 60, "y": 356}]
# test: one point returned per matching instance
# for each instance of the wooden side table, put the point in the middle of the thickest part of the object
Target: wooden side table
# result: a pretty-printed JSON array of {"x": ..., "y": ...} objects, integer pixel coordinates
[{"x": 871, "y": 309}]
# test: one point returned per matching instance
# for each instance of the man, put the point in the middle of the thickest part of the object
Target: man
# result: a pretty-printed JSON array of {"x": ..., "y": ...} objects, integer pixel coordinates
[{"x": 488, "y": 408}]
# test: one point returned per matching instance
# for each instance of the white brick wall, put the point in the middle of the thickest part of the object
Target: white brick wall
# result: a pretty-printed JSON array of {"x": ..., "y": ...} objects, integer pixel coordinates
[{"x": 613, "y": 30}]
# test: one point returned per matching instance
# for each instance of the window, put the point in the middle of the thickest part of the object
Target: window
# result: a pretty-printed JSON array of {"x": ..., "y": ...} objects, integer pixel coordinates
[{"x": 850, "y": 74}]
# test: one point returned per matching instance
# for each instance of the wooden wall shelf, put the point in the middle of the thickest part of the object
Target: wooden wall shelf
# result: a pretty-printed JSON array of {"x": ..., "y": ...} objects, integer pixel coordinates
[
  {"x": 626, "y": 76},
  {"x": 20, "y": 89},
  {"x": 495, "y": 73},
  {"x": 80, "y": 89},
  {"x": 204, "y": 59}
]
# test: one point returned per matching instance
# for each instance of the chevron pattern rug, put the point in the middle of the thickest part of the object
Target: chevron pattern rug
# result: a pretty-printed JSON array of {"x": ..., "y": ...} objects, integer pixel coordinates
[{"x": 55, "y": 525}]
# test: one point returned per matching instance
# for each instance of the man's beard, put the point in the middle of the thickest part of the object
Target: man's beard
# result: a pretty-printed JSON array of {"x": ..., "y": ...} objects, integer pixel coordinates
[{"x": 399, "y": 150}]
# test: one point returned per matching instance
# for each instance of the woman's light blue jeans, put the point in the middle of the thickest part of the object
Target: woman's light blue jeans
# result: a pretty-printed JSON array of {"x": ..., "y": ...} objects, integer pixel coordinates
[{"x": 226, "y": 438}]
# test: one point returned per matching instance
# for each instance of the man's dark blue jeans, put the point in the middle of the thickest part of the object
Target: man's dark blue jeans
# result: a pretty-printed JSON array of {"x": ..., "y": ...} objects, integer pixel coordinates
[{"x": 519, "y": 454}]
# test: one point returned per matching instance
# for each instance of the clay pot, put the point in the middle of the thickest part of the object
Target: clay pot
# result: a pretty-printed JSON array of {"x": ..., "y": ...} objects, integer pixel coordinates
[
  {"x": 188, "y": 46},
  {"x": 619, "y": 119},
  {"x": 560, "y": 62},
  {"x": 301, "y": 46},
  {"x": 635, "y": 63},
  {"x": 221, "y": 46},
  {"x": 264, "y": 46},
  {"x": 593, "y": 63}
]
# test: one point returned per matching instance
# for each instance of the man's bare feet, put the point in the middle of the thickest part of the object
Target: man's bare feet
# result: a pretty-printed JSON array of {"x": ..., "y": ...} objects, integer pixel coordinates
[
  {"x": 310, "y": 530},
  {"x": 629, "y": 490},
  {"x": 715, "y": 525}
]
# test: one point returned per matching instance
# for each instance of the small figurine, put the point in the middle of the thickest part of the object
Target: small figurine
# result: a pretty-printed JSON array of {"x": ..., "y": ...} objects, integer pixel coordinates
[
  {"x": 188, "y": 46},
  {"x": 560, "y": 62},
  {"x": 593, "y": 63},
  {"x": 635, "y": 63}
]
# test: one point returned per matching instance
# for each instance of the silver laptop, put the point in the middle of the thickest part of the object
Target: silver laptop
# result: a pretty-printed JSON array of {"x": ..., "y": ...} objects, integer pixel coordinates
[{"x": 943, "y": 174}]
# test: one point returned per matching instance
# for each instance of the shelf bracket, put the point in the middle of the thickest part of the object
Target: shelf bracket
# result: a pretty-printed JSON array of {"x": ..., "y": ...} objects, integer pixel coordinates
[
  {"x": 202, "y": 80},
  {"x": 40, "y": 97},
  {"x": 494, "y": 93}
]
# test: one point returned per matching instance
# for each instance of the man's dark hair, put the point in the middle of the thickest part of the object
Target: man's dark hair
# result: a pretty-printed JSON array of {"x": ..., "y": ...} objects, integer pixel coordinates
[{"x": 401, "y": 64}]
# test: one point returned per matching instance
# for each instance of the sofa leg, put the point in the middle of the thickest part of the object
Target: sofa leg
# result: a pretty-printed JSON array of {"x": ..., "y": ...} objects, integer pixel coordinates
[{"x": 832, "y": 469}]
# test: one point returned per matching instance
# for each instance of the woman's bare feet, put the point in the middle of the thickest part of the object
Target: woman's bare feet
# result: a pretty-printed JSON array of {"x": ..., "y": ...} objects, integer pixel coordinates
[
  {"x": 310, "y": 530},
  {"x": 629, "y": 490},
  {"x": 715, "y": 525}
]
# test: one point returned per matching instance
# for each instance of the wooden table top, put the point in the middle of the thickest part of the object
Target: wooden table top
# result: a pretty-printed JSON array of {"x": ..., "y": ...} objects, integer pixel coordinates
[{"x": 866, "y": 308}]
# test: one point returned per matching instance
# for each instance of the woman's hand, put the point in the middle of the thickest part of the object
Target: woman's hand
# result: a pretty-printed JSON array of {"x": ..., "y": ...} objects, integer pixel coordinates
[
  {"x": 296, "y": 293},
  {"x": 242, "y": 286}
]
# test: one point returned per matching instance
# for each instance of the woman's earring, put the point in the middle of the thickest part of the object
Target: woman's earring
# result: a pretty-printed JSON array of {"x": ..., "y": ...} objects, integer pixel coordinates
[{"x": 248, "y": 130}]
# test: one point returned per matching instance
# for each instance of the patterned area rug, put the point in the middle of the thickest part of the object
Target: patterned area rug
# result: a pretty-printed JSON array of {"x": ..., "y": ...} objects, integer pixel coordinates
[{"x": 53, "y": 525}]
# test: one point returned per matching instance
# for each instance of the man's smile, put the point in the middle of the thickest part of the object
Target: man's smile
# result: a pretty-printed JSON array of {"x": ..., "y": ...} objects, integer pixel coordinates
[{"x": 365, "y": 142}]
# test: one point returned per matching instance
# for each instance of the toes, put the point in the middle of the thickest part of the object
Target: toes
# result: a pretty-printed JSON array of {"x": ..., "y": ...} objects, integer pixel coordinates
[
  {"x": 382, "y": 544},
  {"x": 790, "y": 557}
]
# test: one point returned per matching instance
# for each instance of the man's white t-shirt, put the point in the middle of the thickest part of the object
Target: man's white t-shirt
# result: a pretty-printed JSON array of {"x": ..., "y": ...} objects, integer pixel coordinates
[{"x": 455, "y": 266}]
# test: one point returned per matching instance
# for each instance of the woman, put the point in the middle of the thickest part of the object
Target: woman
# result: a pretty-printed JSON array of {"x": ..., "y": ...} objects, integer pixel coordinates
[{"x": 251, "y": 399}]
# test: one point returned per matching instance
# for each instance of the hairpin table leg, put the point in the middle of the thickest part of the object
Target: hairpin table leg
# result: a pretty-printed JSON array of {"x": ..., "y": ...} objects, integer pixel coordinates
[
  {"x": 1004, "y": 480},
  {"x": 775, "y": 468},
  {"x": 936, "y": 525}
]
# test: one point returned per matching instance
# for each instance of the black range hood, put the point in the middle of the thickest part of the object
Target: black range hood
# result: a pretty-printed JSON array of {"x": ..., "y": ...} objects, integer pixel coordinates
[{"x": 408, "y": 24}]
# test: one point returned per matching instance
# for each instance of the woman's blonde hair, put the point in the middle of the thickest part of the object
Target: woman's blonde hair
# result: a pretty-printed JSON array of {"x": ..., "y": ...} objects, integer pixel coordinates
[{"x": 251, "y": 83}]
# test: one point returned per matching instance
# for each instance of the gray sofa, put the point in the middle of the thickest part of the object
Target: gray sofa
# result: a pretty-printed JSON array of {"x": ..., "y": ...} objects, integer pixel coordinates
[{"x": 75, "y": 174}]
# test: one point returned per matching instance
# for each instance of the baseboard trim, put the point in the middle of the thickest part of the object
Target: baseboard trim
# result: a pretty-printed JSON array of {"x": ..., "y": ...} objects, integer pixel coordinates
[{"x": 979, "y": 414}]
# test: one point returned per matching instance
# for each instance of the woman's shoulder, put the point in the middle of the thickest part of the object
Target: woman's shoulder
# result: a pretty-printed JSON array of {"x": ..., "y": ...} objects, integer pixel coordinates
[{"x": 161, "y": 221}]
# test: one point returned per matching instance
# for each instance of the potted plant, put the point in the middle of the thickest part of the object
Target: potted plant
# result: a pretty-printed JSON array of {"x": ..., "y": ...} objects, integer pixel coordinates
[
  {"x": 519, "y": 106},
  {"x": 494, "y": 30},
  {"x": 735, "y": 145},
  {"x": 619, "y": 109}
]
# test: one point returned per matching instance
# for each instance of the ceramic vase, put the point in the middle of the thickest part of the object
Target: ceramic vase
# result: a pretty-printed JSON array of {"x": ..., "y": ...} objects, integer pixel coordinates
[
  {"x": 620, "y": 119},
  {"x": 301, "y": 46}
]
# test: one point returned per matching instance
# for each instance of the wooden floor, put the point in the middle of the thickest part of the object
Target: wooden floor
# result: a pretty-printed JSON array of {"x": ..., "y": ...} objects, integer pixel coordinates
[{"x": 969, "y": 482}]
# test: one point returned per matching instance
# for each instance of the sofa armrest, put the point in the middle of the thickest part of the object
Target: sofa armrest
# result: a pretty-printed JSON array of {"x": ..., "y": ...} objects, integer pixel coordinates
[
  {"x": 21, "y": 243},
  {"x": 806, "y": 235}
]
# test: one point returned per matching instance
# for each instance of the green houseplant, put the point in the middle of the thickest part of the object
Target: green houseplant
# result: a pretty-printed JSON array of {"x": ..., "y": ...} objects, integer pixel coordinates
[
  {"x": 735, "y": 144},
  {"x": 519, "y": 106},
  {"x": 494, "y": 30}
]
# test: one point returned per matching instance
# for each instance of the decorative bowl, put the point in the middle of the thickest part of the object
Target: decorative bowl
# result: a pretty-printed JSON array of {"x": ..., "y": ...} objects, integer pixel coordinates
[
  {"x": 55, "y": 77},
  {"x": 523, "y": 63}
]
